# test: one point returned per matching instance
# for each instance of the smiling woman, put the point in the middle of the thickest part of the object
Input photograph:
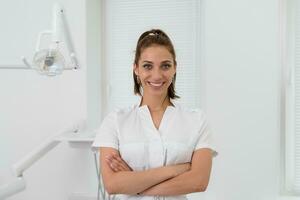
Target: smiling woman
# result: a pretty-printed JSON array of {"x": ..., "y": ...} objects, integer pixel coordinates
[
  {"x": 155, "y": 148},
  {"x": 157, "y": 50},
  {"x": 155, "y": 70}
]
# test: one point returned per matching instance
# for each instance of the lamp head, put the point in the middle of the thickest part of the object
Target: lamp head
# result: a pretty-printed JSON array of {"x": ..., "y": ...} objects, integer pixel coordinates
[{"x": 49, "y": 62}]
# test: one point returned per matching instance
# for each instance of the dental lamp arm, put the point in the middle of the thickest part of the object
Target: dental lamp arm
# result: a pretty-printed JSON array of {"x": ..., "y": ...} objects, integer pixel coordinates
[
  {"x": 18, "y": 184},
  {"x": 33, "y": 156},
  {"x": 69, "y": 43},
  {"x": 15, "y": 186}
]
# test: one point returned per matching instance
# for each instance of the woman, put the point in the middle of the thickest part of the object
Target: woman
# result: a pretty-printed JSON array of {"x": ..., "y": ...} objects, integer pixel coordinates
[{"x": 155, "y": 148}]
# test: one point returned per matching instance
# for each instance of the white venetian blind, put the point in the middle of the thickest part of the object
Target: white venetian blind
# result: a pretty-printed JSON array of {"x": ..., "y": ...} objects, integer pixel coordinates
[
  {"x": 297, "y": 98},
  {"x": 126, "y": 20},
  {"x": 293, "y": 99}
]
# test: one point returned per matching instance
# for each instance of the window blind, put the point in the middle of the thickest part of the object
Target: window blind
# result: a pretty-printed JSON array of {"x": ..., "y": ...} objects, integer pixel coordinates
[
  {"x": 125, "y": 21},
  {"x": 292, "y": 155}
]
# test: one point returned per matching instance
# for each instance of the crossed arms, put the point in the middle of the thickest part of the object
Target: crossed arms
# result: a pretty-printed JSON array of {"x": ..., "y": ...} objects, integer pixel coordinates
[{"x": 170, "y": 180}]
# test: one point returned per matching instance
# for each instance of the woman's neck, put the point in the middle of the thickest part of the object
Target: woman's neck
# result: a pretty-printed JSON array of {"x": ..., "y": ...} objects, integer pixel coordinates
[{"x": 156, "y": 104}]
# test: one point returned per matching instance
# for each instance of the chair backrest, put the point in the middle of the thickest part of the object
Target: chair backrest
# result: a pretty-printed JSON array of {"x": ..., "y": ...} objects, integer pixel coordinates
[{"x": 102, "y": 194}]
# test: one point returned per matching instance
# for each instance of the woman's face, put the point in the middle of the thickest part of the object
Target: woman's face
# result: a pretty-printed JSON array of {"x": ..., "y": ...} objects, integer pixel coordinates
[{"x": 155, "y": 69}]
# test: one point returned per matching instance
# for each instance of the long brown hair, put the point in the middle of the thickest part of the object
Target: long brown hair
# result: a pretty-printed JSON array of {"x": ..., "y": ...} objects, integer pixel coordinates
[{"x": 147, "y": 39}]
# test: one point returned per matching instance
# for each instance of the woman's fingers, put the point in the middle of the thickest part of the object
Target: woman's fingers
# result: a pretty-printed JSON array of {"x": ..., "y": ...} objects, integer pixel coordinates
[
  {"x": 122, "y": 162},
  {"x": 116, "y": 163},
  {"x": 113, "y": 165}
]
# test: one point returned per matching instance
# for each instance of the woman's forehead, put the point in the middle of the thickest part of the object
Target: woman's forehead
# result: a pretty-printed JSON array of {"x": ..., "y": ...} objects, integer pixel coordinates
[{"x": 156, "y": 53}]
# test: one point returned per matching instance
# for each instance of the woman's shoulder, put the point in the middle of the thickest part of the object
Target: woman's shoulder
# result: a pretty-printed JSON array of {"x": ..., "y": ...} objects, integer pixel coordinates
[
  {"x": 123, "y": 111},
  {"x": 190, "y": 113},
  {"x": 188, "y": 109}
]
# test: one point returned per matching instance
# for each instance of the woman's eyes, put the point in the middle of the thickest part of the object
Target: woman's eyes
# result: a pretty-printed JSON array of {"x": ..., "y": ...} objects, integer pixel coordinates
[
  {"x": 164, "y": 66},
  {"x": 147, "y": 66}
]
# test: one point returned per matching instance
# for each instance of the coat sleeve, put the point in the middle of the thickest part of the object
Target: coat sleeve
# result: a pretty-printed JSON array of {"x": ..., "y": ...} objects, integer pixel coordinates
[
  {"x": 205, "y": 135},
  {"x": 107, "y": 133}
]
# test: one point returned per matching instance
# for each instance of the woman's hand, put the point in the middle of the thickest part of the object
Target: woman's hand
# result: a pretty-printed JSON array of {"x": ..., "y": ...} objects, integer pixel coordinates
[{"x": 116, "y": 163}]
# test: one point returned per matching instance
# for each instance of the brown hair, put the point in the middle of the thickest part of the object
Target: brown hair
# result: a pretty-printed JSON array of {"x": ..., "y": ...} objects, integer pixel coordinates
[{"x": 147, "y": 39}]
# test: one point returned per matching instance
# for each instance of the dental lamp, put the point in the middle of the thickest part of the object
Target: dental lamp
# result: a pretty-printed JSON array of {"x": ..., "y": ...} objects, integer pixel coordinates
[
  {"x": 18, "y": 183},
  {"x": 51, "y": 61}
]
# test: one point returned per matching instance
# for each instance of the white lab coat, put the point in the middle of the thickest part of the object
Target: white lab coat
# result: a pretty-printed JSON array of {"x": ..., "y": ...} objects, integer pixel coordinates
[{"x": 131, "y": 131}]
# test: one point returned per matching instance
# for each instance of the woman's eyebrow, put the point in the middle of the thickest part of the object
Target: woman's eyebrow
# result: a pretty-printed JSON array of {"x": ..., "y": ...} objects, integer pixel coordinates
[
  {"x": 146, "y": 61},
  {"x": 164, "y": 61}
]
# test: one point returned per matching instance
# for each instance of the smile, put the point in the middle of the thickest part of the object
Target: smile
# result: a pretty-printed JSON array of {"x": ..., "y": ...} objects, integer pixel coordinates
[{"x": 158, "y": 84}]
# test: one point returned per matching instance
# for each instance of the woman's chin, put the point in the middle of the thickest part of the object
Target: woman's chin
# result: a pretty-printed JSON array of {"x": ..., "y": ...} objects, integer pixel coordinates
[{"x": 156, "y": 92}]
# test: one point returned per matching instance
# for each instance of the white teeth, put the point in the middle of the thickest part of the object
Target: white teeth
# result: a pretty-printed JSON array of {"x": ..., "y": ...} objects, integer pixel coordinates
[{"x": 156, "y": 84}]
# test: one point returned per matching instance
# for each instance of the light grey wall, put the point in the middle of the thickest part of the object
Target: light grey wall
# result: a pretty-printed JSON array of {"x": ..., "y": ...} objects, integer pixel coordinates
[{"x": 242, "y": 64}]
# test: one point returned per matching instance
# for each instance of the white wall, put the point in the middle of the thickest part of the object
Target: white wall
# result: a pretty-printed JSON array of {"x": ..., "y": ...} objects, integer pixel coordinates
[
  {"x": 34, "y": 107},
  {"x": 242, "y": 64}
]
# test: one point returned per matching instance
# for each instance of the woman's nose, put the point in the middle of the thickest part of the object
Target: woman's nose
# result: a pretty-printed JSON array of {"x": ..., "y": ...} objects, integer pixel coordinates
[{"x": 156, "y": 73}]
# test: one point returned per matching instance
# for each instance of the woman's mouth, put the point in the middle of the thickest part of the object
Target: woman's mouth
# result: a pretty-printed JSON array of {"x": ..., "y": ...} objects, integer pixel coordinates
[{"x": 156, "y": 84}]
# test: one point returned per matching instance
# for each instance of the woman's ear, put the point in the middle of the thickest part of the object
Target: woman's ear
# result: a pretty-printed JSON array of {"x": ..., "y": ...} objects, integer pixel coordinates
[
  {"x": 136, "y": 69},
  {"x": 175, "y": 69}
]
